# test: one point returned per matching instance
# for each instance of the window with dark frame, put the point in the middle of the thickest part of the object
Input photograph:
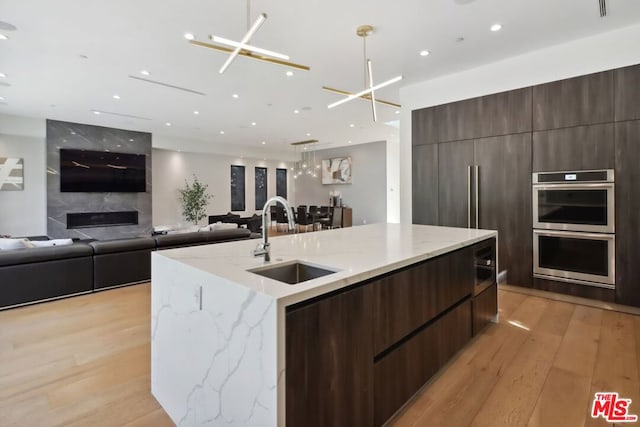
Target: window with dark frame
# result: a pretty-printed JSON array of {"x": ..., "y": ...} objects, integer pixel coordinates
[{"x": 237, "y": 188}]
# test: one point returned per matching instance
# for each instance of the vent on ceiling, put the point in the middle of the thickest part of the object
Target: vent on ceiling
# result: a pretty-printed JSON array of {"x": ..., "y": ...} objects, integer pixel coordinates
[
  {"x": 119, "y": 114},
  {"x": 603, "y": 8},
  {"x": 168, "y": 85}
]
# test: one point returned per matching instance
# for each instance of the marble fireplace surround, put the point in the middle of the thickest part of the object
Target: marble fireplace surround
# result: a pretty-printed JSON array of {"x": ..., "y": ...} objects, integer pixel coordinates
[{"x": 97, "y": 138}]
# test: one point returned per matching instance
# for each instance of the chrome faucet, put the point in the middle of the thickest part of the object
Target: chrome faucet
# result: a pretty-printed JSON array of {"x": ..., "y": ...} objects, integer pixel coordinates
[{"x": 263, "y": 248}]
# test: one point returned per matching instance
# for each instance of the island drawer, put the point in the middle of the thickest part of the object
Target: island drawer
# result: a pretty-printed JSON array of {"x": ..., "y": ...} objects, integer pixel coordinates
[
  {"x": 405, "y": 369},
  {"x": 406, "y": 300}
]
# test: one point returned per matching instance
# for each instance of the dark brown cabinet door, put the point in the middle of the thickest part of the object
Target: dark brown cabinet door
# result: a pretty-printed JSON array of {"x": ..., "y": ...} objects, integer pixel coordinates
[
  {"x": 627, "y": 212},
  {"x": 575, "y": 148},
  {"x": 405, "y": 301},
  {"x": 454, "y": 158},
  {"x": 425, "y": 184},
  {"x": 485, "y": 308},
  {"x": 504, "y": 113},
  {"x": 425, "y": 126},
  {"x": 329, "y": 359},
  {"x": 627, "y": 93},
  {"x": 577, "y": 101},
  {"x": 504, "y": 165}
]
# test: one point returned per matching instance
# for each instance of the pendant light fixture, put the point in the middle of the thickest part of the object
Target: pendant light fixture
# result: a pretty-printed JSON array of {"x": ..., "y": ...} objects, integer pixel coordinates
[
  {"x": 307, "y": 164},
  {"x": 368, "y": 93},
  {"x": 243, "y": 48}
]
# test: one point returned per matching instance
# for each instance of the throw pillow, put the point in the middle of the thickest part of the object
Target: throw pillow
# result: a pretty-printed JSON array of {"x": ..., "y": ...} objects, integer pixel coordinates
[
  {"x": 54, "y": 242},
  {"x": 223, "y": 226},
  {"x": 205, "y": 228},
  {"x": 11, "y": 244}
]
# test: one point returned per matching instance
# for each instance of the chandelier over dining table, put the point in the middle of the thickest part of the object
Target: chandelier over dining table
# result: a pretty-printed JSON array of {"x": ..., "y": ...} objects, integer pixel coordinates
[{"x": 306, "y": 163}]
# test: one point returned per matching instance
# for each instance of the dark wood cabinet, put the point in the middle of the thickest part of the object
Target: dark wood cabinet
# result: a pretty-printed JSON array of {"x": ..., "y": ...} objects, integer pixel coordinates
[
  {"x": 329, "y": 359},
  {"x": 627, "y": 93},
  {"x": 485, "y": 308},
  {"x": 401, "y": 373},
  {"x": 425, "y": 184},
  {"x": 577, "y": 101},
  {"x": 454, "y": 159},
  {"x": 575, "y": 148},
  {"x": 406, "y": 300},
  {"x": 628, "y": 212},
  {"x": 504, "y": 171},
  {"x": 503, "y": 113},
  {"x": 425, "y": 126}
]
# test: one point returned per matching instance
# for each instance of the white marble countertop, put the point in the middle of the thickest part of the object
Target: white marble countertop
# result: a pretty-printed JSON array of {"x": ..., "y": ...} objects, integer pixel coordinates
[{"x": 358, "y": 253}]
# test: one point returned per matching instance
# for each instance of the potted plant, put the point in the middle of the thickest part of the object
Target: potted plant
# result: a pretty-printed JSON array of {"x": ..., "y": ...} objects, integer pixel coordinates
[{"x": 194, "y": 199}]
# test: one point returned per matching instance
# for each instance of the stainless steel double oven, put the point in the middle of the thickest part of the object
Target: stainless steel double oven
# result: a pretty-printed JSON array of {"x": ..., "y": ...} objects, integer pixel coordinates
[{"x": 574, "y": 227}]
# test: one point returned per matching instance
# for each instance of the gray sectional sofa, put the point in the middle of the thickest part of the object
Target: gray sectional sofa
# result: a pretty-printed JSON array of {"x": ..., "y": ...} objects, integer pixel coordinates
[{"x": 39, "y": 274}]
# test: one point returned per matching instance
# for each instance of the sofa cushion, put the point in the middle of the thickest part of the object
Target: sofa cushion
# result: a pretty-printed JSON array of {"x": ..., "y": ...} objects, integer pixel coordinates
[
  {"x": 27, "y": 256},
  {"x": 122, "y": 245},
  {"x": 223, "y": 226},
  {"x": 181, "y": 239}
]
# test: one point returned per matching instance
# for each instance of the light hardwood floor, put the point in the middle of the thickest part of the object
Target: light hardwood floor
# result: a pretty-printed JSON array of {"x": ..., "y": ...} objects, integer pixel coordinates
[{"x": 84, "y": 361}]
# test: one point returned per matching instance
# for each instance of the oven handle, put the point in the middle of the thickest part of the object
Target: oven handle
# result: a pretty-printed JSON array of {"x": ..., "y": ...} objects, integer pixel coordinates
[
  {"x": 576, "y": 234},
  {"x": 576, "y": 186}
]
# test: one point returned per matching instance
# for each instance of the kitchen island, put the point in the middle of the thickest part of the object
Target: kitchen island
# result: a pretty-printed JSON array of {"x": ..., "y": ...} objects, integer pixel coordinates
[{"x": 233, "y": 347}]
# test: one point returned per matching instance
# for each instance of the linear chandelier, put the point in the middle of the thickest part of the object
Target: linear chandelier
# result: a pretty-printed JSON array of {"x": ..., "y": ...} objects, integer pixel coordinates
[
  {"x": 243, "y": 48},
  {"x": 368, "y": 93}
]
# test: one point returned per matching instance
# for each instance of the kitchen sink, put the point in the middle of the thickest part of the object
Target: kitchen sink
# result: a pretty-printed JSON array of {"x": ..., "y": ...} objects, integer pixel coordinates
[{"x": 293, "y": 272}]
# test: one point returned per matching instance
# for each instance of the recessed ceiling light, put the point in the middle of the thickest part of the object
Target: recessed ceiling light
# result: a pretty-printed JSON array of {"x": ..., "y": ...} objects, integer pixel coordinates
[
  {"x": 116, "y": 96},
  {"x": 253, "y": 123},
  {"x": 424, "y": 53},
  {"x": 196, "y": 112},
  {"x": 496, "y": 27},
  {"x": 264, "y": 142},
  {"x": 305, "y": 148},
  {"x": 118, "y": 145},
  {"x": 352, "y": 125},
  {"x": 1, "y": 98},
  {"x": 144, "y": 72},
  {"x": 289, "y": 73},
  {"x": 296, "y": 112},
  {"x": 3, "y": 75},
  {"x": 221, "y": 132},
  {"x": 189, "y": 36},
  {"x": 167, "y": 124},
  {"x": 349, "y": 142},
  {"x": 397, "y": 111},
  {"x": 236, "y": 96},
  {"x": 308, "y": 134},
  {"x": 130, "y": 139},
  {"x": 97, "y": 113},
  {"x": 3, "y": 37}
]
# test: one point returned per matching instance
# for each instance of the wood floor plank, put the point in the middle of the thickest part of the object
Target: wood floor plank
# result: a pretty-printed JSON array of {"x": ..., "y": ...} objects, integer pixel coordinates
[
  {"x": 512, "y": 400},
  {"x": 562, "y": 400},
  {"x": 556, "y": 318},
  {"x": 579, "y": 347}
]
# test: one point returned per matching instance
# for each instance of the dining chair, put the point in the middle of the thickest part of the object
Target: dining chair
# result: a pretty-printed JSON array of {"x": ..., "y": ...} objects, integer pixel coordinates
[{"x": 303, "y": 218}]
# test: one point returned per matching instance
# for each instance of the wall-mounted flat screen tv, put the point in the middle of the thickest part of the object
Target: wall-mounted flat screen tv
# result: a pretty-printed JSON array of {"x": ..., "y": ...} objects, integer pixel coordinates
[{"x": 102, "y": 171}]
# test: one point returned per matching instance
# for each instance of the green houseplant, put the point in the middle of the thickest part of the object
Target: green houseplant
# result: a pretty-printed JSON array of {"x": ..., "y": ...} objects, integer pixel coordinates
[{"x": 194, "y": 199}]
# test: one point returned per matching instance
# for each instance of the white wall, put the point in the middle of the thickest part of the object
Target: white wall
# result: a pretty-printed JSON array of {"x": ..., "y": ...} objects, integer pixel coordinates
[
  {"x": 589, "y": 55},
  {"x": 171, "y": 168},
  {"x": 23, "y": 213},
  {"x": 368, "y": 193}
]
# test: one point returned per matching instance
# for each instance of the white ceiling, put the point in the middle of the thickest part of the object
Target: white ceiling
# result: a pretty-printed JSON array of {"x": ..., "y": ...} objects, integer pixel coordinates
[{"x": 43, "y": 64}]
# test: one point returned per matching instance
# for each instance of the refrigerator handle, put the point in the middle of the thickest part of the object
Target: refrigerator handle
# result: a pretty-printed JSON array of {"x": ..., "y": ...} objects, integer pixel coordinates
[
  {"x": 477, "y": 185},
  {"x": 469, "y": 196}
]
